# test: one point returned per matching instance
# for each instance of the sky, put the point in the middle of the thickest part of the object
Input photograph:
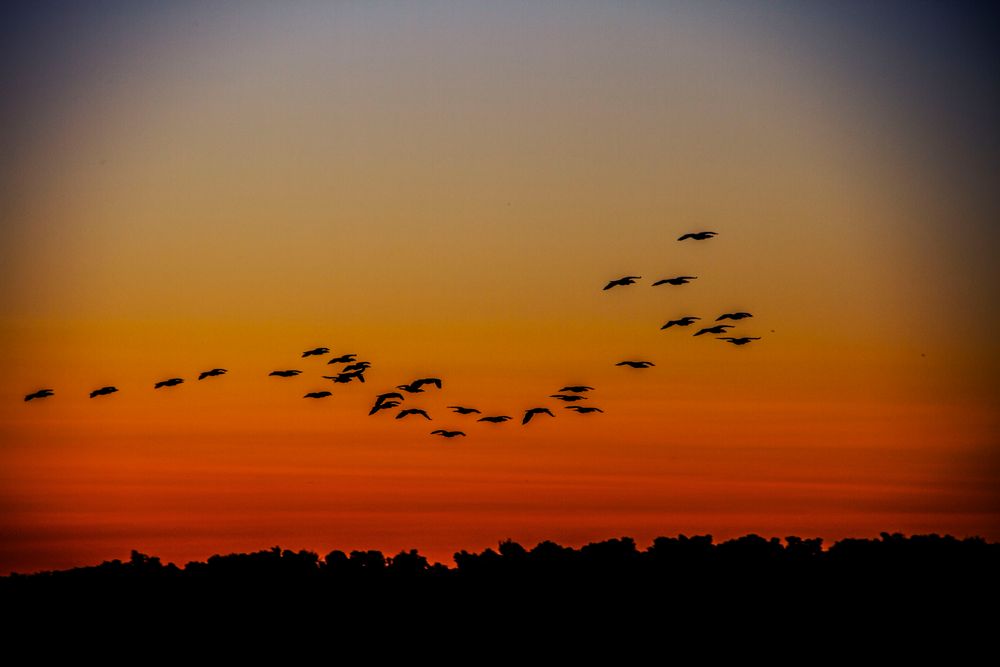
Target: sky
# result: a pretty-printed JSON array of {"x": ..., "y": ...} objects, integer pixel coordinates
[{"x": 444, "y": 188}]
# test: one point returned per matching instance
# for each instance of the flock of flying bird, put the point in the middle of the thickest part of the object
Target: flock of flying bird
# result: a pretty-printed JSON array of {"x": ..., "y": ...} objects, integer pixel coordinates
[
  {"x": 688, "y": 320},
  {"x": 355, "y": 370}
]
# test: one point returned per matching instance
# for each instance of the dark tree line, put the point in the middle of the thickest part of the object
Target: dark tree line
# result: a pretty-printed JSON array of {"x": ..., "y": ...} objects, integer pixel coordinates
[
  {"x": 676, "y": 588},
  {"x": 676, "y": 560}
]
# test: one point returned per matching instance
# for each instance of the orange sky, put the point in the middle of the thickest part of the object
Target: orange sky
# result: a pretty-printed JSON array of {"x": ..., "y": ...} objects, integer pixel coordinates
[{"x": 444, "y": 191}]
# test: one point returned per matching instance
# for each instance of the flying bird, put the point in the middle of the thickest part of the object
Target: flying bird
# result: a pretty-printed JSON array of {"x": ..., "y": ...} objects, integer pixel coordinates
[
  {"x": 383, "y": 405},
  {"x": 578, "y": 388},
  {"x": 41, "y": 393},
  {"x": 685, "y": 321},
  {"x": 627, "y": 280},
  {"x": 636, "y": 364},
  {"x": 733, "y": 316},
  {"x": 415, "y": 386},
  {"x": 359, "y": 366},
  {"x": 498, "y": 419},
  {"x": 346, "y": 377},
  {"x": 462, "y": 410},
  {"x": 172, "y": 382},
  {"x": 343, "y": 359},
  {"x": 568, "y": 398},
  {"x": 679, "y": 280},
  {"x": 412, "y": 411},
  {"x": 211, "y": 373},
  {"x": 385, "y": 401},
  {"x": 284, "y": 374},
  {"x": 317, "y": 394},
  {"x": 582, "y": 410},
  {"x": 316, "y": 351},
  {"x": 743, "y": 340},
  {"x": 698, "y": 236},
  {"x": 528, "y": 414},
  {"x": 103, "y": 391},
  {"x": 717, "y": 329},
  {"x": 446, "y": 434}
]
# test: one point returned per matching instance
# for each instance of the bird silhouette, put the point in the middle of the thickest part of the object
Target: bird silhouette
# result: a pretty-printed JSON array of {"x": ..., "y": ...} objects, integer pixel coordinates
[
  {"x": 172, "y": 382},
  {"x": 733, "y": 316},
  {"x": 103, "y": 391},
  {"x": 412, "y": 411},
  {"x": 462, "y": 410},
  {"x": 577, "y": 388},
  {"x": 346, "y": 377},
  {"x": 717, "y": 329},
  {"x": 358, "y": 366},
  {"x": 316, "y": 351},
  {"x": 212, "y": 373},
  {"x": 343, "y": 359},
  {"x": 317, "y": 394},
  {"x": 636, "y": 364},
  {"x": 582, "y": 410},
  {"x": 679, "y": 280},
  {"x": 528, "y": 414},
  {"x": 568, "y": 398},
  {"x": 415, "y": 387},
  {"x": 446, "y": 434},
  {"x": 383, "y": 405},
  {"x": 41, "y": 393},
  {"x": 382, "y": 401},
  {"x": 498, "y": 419},
  {"x": 627, "y": 280},
  {"x": 742, "y": 340},
  {"x": 685, "y": 321},
  {"x": 285, "y": 374},
  {"x": 698, "y": 236}
]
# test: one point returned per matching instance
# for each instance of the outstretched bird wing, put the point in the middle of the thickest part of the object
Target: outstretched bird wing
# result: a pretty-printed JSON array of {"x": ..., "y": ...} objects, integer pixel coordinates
[
  {"x": 317, "y": 394},
  {"x": 383, "y": 406},
  {"x": 624, "y": 280}
]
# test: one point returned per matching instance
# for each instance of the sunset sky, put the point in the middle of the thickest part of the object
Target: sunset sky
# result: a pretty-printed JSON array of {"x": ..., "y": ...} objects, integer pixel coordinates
[{"x": 444, "y": 188}]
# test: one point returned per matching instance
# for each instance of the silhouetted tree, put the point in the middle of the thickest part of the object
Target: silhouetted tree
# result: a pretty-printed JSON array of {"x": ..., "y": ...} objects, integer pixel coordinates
[
  {"x": 611, "y": 554},
  {"x": 474, "y": 564},
  {"x": 335, "y": 562},
  {"x": 407, "y": 564},
  {"x": 367, "y": 562},
  {"x": 512, "y": 550}
]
